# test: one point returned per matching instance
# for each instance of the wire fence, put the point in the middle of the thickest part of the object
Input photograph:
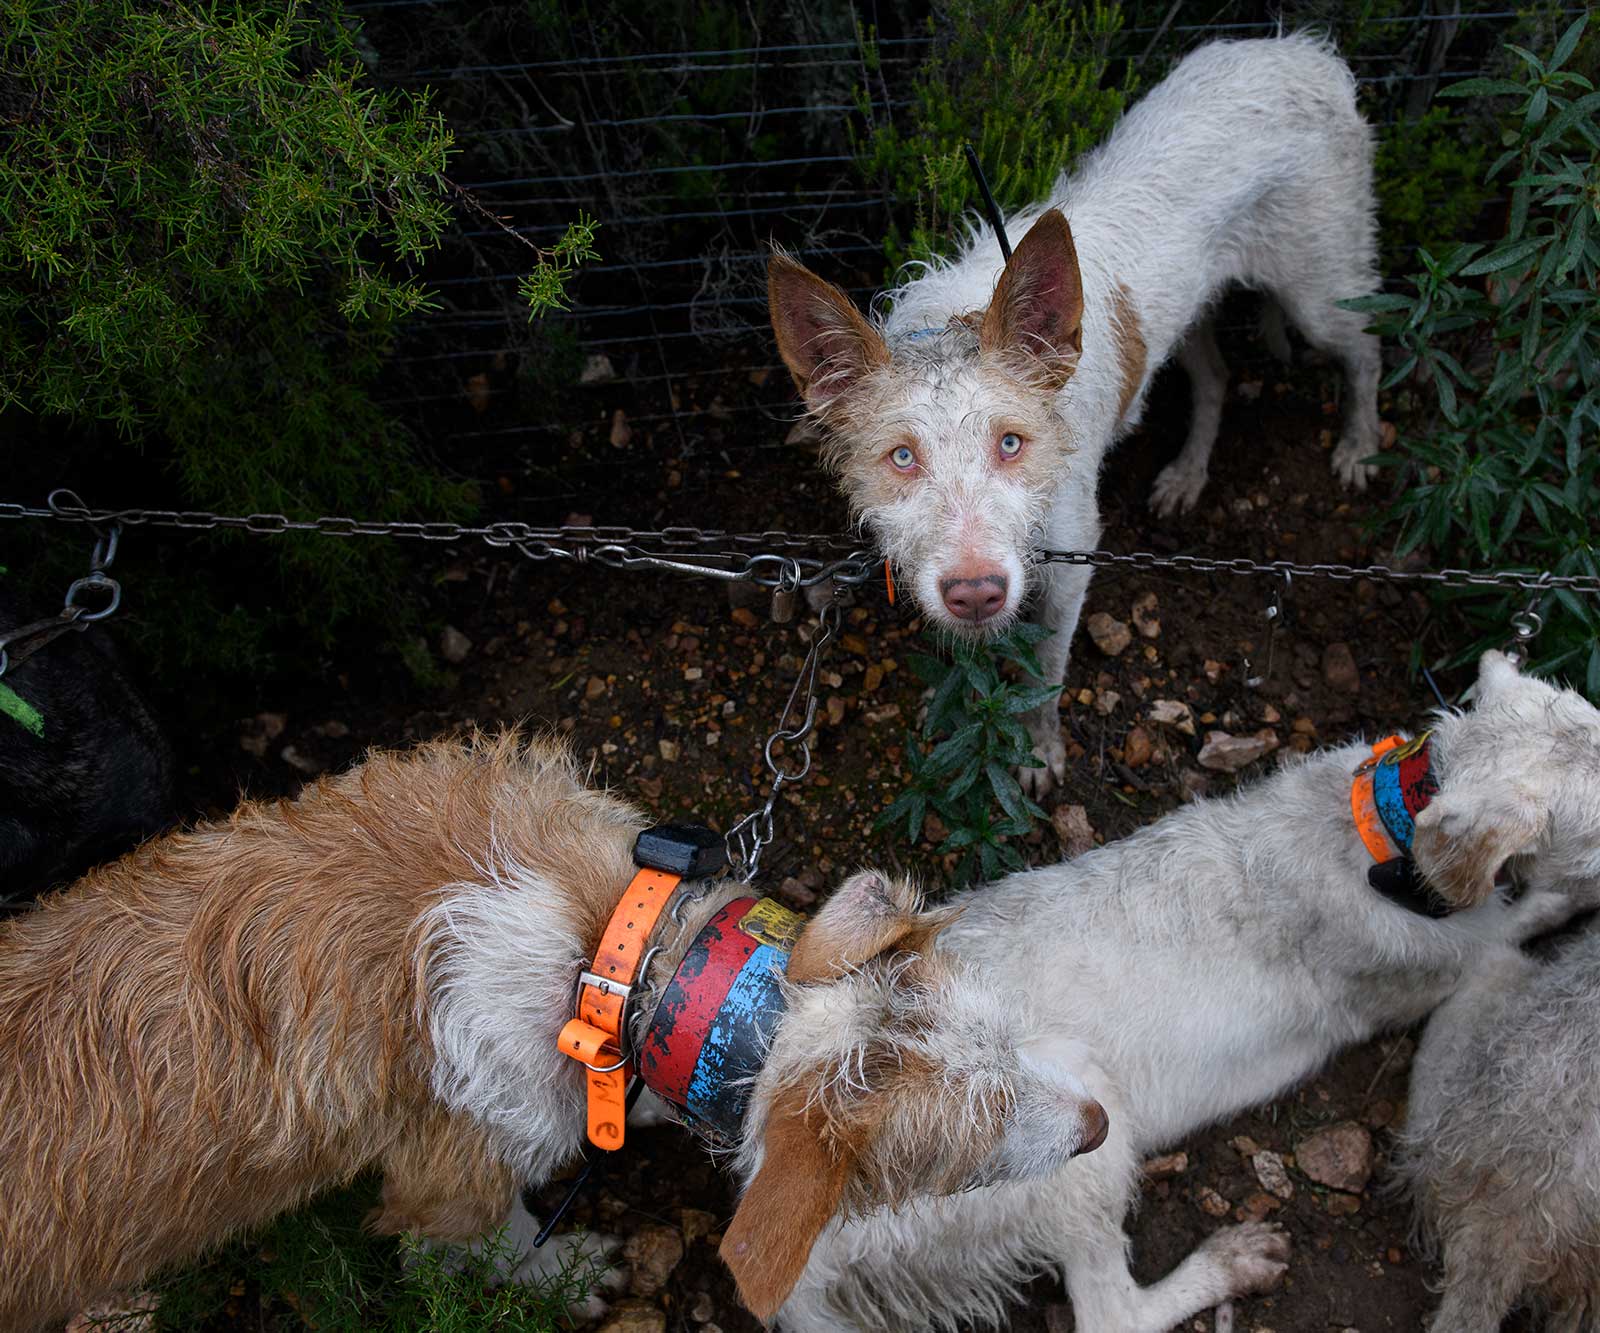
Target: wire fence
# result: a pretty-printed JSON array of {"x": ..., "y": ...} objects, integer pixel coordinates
[{"x": 695, "y": 158}]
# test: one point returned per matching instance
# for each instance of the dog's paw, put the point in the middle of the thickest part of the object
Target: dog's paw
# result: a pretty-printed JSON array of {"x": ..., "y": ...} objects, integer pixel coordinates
[
  {"x": 1252, "y": 1256},
  {"x": 1050, "y": 746},
  {"x": 1347, "y": 464},
  {"x": 1176, "y": 490}
]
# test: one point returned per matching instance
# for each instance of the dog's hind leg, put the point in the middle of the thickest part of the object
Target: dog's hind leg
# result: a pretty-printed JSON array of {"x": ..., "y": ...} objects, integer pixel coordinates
[
  {"x": 1483, "y": 1277},
  {"x": 1179, "y": 484},
  {"x": 1234, "y": 1262}
]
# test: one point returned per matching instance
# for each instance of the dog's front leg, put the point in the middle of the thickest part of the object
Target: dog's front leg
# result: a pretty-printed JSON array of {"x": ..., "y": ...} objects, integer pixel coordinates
[
  {"x": 1060, "y": 605},
  {"x": 1235, "y": 1261}
]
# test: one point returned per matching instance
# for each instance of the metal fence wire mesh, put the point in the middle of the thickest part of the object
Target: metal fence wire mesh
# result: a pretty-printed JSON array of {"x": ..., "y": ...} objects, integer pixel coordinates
[{"x": 695, "y": 158}]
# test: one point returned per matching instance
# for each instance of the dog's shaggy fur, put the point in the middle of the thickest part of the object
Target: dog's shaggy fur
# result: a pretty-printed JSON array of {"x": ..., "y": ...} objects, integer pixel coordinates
[
  {"x": 1201, "y": 967},
  {"x": 968, "y": 426},
  {"x": 228, "y": 1020},
  {"x": 1501, "y": 1143}
]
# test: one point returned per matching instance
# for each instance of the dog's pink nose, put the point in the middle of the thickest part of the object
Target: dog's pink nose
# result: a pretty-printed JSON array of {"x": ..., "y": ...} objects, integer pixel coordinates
[{"x": 976, "y": 593}]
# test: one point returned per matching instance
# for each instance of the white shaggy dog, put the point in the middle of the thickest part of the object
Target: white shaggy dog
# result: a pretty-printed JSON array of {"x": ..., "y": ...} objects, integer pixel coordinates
[
  {"x": 1201, "y": 967},
  {"x": 1502, "y": 1138},
  {"x": 969, "y": 425}
]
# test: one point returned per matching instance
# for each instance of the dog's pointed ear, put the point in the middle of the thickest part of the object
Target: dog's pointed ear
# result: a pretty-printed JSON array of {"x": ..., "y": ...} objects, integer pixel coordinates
[
  {"x": 797, "y": 1191},
  {"x": 1037, "y": 306},
  {"x": 868, "y": 914},
  {"x": 1496, "y": 674},
  {"x": 1463, "y": 838},
  {"x": 825, "y": 341}
]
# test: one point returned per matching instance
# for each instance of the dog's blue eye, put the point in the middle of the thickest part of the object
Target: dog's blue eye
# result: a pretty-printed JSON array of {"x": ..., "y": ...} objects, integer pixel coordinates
[
  {"x": 902, "y": 458},
  {"x": 1010, "y": 445}
]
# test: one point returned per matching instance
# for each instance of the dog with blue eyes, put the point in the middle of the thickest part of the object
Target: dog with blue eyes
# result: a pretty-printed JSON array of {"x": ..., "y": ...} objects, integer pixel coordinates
[{"x": 969, "y": 423}]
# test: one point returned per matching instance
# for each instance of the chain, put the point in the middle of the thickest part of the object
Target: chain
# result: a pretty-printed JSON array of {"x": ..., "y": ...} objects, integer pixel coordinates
[
  {"x": 18, "y": 645},
  {"x": 755, "y": 556},
  {"x": 747, "y": 838},
  {"x": 1286, "y": 569}
]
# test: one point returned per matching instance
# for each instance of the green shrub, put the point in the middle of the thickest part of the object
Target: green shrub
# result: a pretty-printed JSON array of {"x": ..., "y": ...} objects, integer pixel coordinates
[
  {"x": 1501, "y": 469},
  {"x": 1021, "y": 81},
  {"x": 966, "y": 777},
  {"x": 321, "y": 1269},
  {"x": 1429, "y": 180},
  {"x": 207, "y": 215}
]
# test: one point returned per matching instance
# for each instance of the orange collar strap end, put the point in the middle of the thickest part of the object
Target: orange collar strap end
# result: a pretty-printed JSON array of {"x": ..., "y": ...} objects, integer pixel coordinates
[{"x": 595, "y": 1037}]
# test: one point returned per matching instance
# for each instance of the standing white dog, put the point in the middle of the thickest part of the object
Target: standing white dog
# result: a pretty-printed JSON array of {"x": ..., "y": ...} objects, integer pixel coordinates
[
  {"x": 969, "y": 424},
  {"x": 1201, "y": 967}
]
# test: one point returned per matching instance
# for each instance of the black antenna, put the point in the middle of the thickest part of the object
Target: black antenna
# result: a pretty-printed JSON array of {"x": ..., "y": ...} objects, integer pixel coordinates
[{"x": 990, "y": 207}]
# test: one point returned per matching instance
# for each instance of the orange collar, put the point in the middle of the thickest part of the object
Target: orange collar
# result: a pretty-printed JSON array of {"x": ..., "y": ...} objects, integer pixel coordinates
[{"x": 597, "y": 1038}]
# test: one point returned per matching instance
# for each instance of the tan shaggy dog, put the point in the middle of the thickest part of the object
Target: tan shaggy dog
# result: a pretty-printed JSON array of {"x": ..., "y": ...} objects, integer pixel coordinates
[{"x": 228, "y": 1020}]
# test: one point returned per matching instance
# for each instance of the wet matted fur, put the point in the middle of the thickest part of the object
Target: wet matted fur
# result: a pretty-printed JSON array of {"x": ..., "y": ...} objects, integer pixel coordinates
[
  {"x": 969, "y": 422},
  {"x": 1202, "y": 966},
  {"x": 230, "y": 1019}
]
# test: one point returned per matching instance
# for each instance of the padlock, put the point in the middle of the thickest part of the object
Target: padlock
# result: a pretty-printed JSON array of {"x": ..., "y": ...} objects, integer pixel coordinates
[{"x": 784, "y": 598}]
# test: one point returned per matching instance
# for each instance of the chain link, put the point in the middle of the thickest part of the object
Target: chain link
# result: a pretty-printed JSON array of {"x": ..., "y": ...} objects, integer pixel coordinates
[
  {"x": 750, "y": 836},
  {"x": 18, "y": 645}
]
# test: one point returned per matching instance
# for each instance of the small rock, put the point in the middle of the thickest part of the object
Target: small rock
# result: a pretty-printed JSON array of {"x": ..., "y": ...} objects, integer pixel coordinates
[
  {"x": 1166, "y": 1166},
  {"x": 597, "y": 369},
  {"x": 796, "y": 894},
  {"x": 669, "y": 750},
  {"x": 887, "y": 713},
  {"x": 871, "y": 678},
  {"x": 1339, "y": 668},
  {"x": 652, "y": 1253},
  {"x": 1105, "y": 701},
  {"x": 1228, "y": 754},
  {"x": 1072, "y": 827},
  {"x": 1211, "y": 1203},
  {"x": 1380, "y": 1115},
  {"x": 702, "y": 1309},
  {"x": 1137, "y": 748},
  {"x": 854, "y": 643},
  {"x": 1272, "y": 1175},
  {"x": 333, "y": 729},
  {"x": 1173, "y": 713},
  {"x": 1145, "y": 619},
  {"x": 634, "y": 1317},
  {"x": 1110, "y": 635},
  {"x": 594, "y": 689},
  {"x": 303, "y": 762},
  {"x": 745, "y": 617},
  {"x": 1341, "y": 1205},
  {"x": 693, "y": 673},
  {"x": 1213, "y": 670},
  {"x": 835, "y": 710},
  {"x": 272, "y": 724},
  {"x": 454, "y": 645},
  {"x": 1339, "y": 1157},
  {"x": 1244, "y": 1145},
  {"x": 1192, "y": 784},
  {"x": 1257, "y": 1206}
]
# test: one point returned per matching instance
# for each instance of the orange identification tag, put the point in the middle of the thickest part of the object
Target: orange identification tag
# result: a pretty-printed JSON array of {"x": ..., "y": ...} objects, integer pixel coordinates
[
  {"x": 594, "y": 1037},
  {"x": 888, "y": 581}
]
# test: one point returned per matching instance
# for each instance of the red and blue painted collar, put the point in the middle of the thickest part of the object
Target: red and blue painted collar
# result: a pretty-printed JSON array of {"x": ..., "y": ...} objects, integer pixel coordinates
[
  {"x": 1389, "y": 790},
  {"x": 713, "y": 1025}
]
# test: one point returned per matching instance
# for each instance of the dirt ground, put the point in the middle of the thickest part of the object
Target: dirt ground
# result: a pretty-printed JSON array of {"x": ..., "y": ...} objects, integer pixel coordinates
[{"x": 670, "y": 692}]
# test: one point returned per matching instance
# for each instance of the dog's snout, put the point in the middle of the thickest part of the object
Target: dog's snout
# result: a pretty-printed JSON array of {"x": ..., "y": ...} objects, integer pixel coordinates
[
  {"x": 1096, "y": 1125},
  {"x": 976, "y": 594}
]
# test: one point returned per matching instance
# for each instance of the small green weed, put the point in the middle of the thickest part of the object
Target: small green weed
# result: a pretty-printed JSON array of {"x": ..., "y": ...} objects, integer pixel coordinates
[{"x": 966, "y": 776}]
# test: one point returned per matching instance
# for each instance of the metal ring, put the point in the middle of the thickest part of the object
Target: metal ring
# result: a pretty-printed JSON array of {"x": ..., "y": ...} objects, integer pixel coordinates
[
  {"x": 1525, "y": 624},
  {"x": 100, "y": 583}
]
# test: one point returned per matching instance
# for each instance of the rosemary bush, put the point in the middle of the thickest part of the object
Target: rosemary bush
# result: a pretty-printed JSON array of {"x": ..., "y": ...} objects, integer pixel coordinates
[
  {"x": 209, "y": 221},
  {"x": 1501, "y": 467},
  {"x": 1021, "y": 81}
]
